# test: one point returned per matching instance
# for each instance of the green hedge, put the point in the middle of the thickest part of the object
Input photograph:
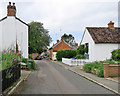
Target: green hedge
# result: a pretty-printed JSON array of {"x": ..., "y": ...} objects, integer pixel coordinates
[
  {"x": 65, "y": 53},
  {"x": 95, "y": 68},
  {"x": 80, "y": 56},
  {"x": 116, "y": 54}
]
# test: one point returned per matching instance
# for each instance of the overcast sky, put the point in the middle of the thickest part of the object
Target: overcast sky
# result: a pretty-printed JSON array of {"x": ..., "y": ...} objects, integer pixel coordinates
[{"x": 65, "y": 16}]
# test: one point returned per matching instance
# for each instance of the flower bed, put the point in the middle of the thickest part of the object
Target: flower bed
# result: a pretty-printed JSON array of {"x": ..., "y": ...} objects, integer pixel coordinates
[{"x": 95, "y": 68}]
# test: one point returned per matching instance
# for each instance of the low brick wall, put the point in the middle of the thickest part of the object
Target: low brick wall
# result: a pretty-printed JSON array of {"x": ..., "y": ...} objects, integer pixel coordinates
[
  {"x": 34, "y": 55},
  {"x": 111, "y": 70}
]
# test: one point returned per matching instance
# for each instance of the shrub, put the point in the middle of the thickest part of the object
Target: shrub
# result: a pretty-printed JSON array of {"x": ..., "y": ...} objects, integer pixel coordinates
[
  {"x": 91, "y": 67},
  {"x": 80, "y": 56},
  {"x": 65, "y": 53},
  {"x": 116, "y": 54},
  {"x": 81, "y": 49},
  {"x": 30, "y": 56},
  {"x": 31, "y": 65},
  {"x": 24, "y": 60},
  {"x": 9, "y": 58}
]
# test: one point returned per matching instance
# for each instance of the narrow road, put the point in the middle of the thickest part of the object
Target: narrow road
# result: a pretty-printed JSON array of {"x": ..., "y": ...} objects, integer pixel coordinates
[{"x": 51, "y": 78}]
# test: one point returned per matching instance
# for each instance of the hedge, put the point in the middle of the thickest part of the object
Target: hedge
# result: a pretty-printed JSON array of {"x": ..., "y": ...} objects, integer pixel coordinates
[{"x": 65, "y": 53}]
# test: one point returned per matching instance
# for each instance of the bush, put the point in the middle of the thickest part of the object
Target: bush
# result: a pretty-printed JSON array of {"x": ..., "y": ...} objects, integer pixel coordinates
[
  {"x": 24, "y": 60},
  {"x": 80, "y": 56},
  {"x": 31, "y": 65},
  {"x": 116, "y": 54},
  {"x": 65, "y": 53},
  {"x": 9, "y": 58},
  {"x": 30, "y": 56},
  {"x": 81, "y": 49},
  {"x": 95, "y": 68}
]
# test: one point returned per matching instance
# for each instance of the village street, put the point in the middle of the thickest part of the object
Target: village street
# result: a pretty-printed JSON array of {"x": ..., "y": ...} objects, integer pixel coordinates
[{"x": 51, "y": 78}]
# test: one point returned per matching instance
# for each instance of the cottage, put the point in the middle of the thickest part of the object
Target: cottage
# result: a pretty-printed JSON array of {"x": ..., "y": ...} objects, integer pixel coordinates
[
  {"x": 59, "y": 46},
  {"x": 14, "y": 32},
  {"x": 101, "y": 41}
]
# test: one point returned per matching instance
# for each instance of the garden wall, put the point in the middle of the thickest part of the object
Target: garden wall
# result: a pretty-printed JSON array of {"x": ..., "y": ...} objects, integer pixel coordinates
[{"x": 111, "y": 70}]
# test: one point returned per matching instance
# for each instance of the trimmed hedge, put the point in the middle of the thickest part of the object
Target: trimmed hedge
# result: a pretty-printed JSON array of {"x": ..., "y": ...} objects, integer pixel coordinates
[
  {"x": 65, "y": 53},
  {"x": 80, "y": 56}
]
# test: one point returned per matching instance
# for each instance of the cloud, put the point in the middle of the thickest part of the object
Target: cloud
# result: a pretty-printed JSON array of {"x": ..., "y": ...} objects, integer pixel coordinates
[{"x": 72, "y": 16}]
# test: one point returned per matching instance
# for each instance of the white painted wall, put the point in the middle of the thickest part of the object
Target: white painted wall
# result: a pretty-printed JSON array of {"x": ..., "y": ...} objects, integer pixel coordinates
[
  {"x": 54, "y": 55},
  {"x": 0, "y": 36},
  {"x": 98, "y": 52},
  {"x": 103, "y": 51},
  {"x": 13, "y": 29},
  {"x": 88, "y": 39}
]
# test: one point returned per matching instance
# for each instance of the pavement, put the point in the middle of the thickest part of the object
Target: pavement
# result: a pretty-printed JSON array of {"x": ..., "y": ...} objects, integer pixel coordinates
[
  {"x": 108, "y": 83},
  {"x": 24, "y": 76}
]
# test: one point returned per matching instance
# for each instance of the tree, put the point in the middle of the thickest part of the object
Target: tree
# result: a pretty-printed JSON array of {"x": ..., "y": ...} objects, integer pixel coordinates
[
  {"x": 69, "y": 39},
  {"x": 39, "y": 39}
]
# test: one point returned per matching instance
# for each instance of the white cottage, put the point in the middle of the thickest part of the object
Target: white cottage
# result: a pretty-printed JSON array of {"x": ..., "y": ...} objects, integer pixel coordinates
[
  {"x": 101, "y": 41},
  {"x": 14, "y": 32}
]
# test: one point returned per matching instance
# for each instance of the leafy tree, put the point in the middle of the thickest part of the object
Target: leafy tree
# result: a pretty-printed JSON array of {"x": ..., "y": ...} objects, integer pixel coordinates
[
  {"x": 69, "y": 39},
  {"x": 81, "y": 49},
  {"x": 39, "y": 39}
]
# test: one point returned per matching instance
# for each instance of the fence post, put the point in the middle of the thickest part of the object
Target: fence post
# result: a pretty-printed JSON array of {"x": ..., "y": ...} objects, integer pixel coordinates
[{"x": 106, "y": 69}]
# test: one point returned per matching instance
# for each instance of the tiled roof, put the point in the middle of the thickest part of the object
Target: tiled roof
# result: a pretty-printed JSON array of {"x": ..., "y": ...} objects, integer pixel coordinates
[
  {"x": 104, "y": 34},
  {"x": 73, "y": 47}
]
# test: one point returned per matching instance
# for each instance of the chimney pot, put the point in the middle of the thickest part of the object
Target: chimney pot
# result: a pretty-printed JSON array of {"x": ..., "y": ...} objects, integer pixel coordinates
[
  {"x": 9, "y": 3},
  {"x": 57, "y": 41},
  {"x": 111, "y": 24},
  {"x": 13, "y": 4}
]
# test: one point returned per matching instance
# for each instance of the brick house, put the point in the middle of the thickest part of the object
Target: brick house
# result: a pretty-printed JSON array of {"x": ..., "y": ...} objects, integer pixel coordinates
[
  {"x": 14, "y": 32},
  {"x": 101, "y": 41},
  {"x": 59, "y": 46}
]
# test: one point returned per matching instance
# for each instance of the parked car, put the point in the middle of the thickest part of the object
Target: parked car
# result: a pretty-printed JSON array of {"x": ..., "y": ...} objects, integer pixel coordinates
[{"x": 38, "y": 58}]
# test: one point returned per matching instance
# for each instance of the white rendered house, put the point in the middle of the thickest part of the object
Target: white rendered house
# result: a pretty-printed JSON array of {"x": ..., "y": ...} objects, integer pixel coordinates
[
  {"x": 101, "y": 41},
  {"x": 14, "y": 32}
]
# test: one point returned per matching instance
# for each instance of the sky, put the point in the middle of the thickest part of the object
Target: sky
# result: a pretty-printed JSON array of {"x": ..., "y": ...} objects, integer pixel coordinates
[{"x": 65, "y": 16}]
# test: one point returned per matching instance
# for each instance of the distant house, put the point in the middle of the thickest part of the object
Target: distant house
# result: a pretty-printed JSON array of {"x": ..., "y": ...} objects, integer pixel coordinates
[
  {"x": 14, "y": 32},
  {"x": 59, "y": 46},
  {"x": 101, "y": 41}
]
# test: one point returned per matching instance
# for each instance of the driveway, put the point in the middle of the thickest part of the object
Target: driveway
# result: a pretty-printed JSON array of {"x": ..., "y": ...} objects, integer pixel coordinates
[{"x": 51, "y": 78}]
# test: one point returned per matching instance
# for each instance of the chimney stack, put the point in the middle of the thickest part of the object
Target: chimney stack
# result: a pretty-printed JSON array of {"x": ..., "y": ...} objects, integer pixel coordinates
[
  {"x": 57, "y": 41},
  {"x": 111, "y": 24},
  {"x": 76, "y": 44},
  {"x": 11, "y": 10}
]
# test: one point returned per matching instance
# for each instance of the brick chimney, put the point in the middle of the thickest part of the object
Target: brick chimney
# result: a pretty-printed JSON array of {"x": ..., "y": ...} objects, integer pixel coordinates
[
  {"x": 57, "y": 41},
  {"x": 62, "y": 38},
  {"x": 11, "y": 10},
  {"x": 76, "y": 44},
  {"x": 111, "y": 24}
]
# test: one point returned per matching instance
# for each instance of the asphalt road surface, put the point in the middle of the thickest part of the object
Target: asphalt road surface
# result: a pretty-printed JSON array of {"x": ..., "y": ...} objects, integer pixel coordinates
[{"x": 51, "y": 78}]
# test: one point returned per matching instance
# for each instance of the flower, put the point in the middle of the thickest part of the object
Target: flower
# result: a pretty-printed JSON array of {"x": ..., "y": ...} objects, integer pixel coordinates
[
  {"x": 19, "y": 62},
  {"x": 15, "y": 60},
  {"x": 14, "y": 57}
]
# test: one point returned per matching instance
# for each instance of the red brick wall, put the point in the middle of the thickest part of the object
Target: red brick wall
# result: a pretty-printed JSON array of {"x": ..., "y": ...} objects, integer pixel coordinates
[
  {"x": 50, "y": 54},
  {"x": 111, "y": 70}
]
